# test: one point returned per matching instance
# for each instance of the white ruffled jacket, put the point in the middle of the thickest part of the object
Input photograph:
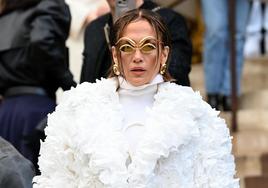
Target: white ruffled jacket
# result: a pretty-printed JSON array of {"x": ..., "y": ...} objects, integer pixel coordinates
[{"x": 185, "y": 145}]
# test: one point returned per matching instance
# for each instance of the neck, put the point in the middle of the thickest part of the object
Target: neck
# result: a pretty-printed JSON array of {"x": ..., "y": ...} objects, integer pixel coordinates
[{"x": 126, "y": 85}]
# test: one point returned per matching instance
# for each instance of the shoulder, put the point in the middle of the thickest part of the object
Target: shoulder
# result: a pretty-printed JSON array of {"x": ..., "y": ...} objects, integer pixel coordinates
[
  {"x": 180, "y": 92},
  {"x": 186, "y": 98},
  {"x": 51, "y": 18},
  {"x": 209, "y": 135},
  {"x": 53, "y": 6},
  {"x": 81, "y": 108},
  {"x": 210, "y": 125},
  {"x": 166, "y": 13},
  {"x": 88, "y": 91}
]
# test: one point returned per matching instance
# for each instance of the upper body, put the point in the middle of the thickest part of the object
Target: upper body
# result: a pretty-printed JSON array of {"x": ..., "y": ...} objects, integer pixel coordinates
[
  {"x": 136, "y": 129},
  {"x": 32, "y": 49},
  {"x": 97, "y": 57},
  {"x": 15, "y": 170},
  {"x": 183, "y": 143}
]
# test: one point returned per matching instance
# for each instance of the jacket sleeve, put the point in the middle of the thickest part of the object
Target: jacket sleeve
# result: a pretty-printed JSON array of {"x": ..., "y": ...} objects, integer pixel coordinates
[
  {"x": 181, "y": 47},
  {"x": 215, "y": 165},
  {"x": 58, "y": 153},
  {"x": 74, "y": 151},
  {"x": 50, "y": 29}
]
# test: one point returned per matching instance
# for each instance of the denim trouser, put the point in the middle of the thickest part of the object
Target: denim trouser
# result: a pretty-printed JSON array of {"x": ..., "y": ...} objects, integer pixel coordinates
[{"x": 217, "y": 44}]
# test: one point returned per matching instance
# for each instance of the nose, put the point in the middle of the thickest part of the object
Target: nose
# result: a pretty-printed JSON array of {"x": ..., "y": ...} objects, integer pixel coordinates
[{"x": 137, "y": 58}]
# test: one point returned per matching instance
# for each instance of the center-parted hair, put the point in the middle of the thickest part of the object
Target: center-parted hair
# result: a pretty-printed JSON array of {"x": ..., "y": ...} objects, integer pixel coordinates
[{"x": 153, "y": 18}]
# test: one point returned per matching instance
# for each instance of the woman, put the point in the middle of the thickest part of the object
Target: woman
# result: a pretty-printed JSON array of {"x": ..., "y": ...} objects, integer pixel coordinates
[
  {"x": 32, "y": 67},
  {"x": 136, "y": 129}
]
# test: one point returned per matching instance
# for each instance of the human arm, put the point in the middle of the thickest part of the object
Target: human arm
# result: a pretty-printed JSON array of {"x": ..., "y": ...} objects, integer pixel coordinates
[
  {"x": 80, "y": 148},
  {"x": 59, "y": 157},
  {"x": 199, "y": 141},
  {"x": 215, "y": 165},
  {"x": 50, "y": 29}
]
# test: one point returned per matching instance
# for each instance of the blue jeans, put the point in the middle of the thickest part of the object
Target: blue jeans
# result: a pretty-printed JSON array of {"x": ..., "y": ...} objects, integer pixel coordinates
[{"x": 217, "y": 45}]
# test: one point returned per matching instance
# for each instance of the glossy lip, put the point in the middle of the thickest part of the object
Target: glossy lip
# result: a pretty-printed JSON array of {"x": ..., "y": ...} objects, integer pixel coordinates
[{"x": 138, "y": 70}]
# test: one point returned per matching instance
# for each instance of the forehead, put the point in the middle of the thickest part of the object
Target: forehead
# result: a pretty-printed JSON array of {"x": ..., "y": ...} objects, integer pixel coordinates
[{"x": 139, "y": 29}]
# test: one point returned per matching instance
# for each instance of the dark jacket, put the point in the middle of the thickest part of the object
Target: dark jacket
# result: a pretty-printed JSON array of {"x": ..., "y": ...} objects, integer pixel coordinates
[
  {"x": 97, "y": 57},
  {"x": 15, "y": 170},
  {"x": 32, "y": 47}
]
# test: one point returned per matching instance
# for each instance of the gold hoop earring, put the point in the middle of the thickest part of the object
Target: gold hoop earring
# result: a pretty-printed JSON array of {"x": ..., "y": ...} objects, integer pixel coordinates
[
  {"x": 116, "y": 69},
  {"x": 163, "y": 68}
]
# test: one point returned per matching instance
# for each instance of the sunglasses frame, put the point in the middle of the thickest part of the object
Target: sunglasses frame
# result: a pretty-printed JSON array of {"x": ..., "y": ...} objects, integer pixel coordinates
[{"x": 140, "y": 45}]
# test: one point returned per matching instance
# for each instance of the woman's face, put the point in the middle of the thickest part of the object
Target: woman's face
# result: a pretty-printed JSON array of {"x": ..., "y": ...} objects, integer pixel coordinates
[{"x": 138, "y": 54}]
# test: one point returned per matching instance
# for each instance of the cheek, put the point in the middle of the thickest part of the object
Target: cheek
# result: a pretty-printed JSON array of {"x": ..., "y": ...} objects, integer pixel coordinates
[
  {"x": 125, "y": 61},
  {"x": 124, "y": 58},
  {"x": 151, "y": 61}
]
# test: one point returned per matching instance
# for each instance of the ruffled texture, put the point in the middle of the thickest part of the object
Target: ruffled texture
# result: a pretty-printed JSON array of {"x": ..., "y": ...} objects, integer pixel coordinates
[
  {"x": 81, "y": 148},
  {"x": 168, "y": 128},
  {"x": 206, "y": 160},
  {"x": 185, "y": 144}
]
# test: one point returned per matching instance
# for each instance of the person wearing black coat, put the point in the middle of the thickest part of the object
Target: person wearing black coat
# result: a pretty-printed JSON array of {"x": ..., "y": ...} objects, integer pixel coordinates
[
  {"x": 33, "y": 65},
  {"x": 98, "y": 38}
]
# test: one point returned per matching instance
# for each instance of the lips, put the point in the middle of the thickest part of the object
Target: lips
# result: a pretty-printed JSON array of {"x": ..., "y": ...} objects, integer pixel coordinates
[{"x": 137, "y": 70}]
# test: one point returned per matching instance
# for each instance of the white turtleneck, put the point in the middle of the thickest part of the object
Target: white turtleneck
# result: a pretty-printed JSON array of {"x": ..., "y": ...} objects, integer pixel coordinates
[{"x": 135, "y": 102}]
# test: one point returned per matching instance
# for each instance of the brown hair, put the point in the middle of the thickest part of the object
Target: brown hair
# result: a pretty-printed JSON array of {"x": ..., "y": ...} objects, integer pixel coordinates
[{"x": 154, "y": 19}]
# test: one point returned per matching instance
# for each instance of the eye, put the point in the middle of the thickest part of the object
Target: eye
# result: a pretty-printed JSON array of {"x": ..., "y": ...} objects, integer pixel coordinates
[
  {"x": 126, "y": 48},
  {"x": 147, "y": 48}
]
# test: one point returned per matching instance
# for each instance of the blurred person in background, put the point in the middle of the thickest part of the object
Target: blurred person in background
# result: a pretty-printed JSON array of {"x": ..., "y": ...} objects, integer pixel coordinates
[
  {"x": 15, "y": 170},
  {"x": 97, "y": 42},
  {"x": 257, "y": 30},
  {"x": 217, "y": 50},
  {"x": 33, "y": 65},
  {"x": 83, "y": 12}
]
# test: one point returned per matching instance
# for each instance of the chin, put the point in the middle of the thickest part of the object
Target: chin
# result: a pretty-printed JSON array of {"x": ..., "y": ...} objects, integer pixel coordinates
[{"x": 138, "y": 82}]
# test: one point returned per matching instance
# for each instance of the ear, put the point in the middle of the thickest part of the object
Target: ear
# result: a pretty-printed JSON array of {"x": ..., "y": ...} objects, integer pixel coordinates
[
  {"x": 164, "y": 55},
  {"x": 114, "y": 54}
]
